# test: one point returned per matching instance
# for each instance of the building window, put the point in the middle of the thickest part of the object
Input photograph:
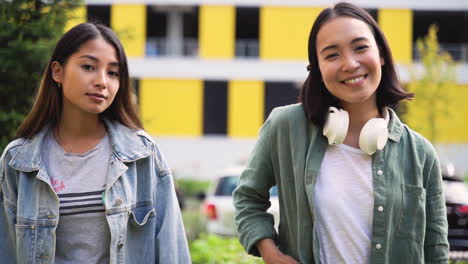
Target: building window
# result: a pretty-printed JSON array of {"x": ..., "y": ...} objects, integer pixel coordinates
[
  {"x": 279, "y": 94},
  {"x": 247, "y": 32},
  {"x": 451, "y": 35},
  {"x": 215, "y": 107},
  {"x": 374, "y": 13},
  {"x": 98, "y": 14},
  {"x": 190, "y": 17},
  {"x": 172, "y": 31},
  {"x": 156, "y": 25}
]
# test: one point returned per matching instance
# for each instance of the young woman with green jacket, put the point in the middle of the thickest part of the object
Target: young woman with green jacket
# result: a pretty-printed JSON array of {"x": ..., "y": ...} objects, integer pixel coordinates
[{"x": 355, "y": 184}]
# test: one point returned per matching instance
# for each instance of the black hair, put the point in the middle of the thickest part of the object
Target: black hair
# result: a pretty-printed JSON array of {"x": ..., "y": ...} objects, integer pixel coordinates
[
  {"x": 315, "y": 97},
  {"x": 47, "y": 106}
]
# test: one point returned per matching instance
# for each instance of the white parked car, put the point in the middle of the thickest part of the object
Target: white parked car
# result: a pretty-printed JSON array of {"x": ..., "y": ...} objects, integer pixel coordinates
[{"x": 218, "y": 207}]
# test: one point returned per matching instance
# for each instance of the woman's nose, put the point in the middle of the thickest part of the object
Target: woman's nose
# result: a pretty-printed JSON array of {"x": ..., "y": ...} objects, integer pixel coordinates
[
  {"x": 350, "y": 63},
  {"x": 101, "y": 79}
]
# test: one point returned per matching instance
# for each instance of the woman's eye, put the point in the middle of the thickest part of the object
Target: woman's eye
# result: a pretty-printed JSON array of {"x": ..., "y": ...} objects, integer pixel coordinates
[
  {"x": 87, "y": 67},
  {"x": 362, "y": 48},
  {"x": 113, "y": 73},
  {"x": 331, "y": 56}
]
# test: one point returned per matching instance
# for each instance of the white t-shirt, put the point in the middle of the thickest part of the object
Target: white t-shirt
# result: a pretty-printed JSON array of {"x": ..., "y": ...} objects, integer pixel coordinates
[{"x": 344, "y": 201}]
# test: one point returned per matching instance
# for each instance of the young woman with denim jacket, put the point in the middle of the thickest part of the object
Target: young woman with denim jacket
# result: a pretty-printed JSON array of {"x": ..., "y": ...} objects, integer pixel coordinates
[
  {"x": 355, "y": 184},
  {"x": 83, "y": 182}
]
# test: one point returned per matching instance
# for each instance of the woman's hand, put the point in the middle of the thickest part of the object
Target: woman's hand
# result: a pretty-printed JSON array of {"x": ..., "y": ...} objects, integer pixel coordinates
[{"x": 271, "y": 254}]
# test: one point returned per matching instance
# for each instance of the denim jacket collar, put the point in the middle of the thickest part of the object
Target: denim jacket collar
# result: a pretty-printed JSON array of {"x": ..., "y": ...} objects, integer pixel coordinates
[{"x": 125, "y": 142}]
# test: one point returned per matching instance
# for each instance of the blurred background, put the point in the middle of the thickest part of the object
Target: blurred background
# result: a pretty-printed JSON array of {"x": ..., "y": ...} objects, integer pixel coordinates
[{"x": 207, "y": 73}]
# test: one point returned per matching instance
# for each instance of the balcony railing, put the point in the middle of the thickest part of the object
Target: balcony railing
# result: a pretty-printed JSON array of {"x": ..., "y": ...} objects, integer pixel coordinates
[
  {"x": 247, "y": 48},
  {"x": 156, "y": 47},
  {"x": 459, "y": 52}
]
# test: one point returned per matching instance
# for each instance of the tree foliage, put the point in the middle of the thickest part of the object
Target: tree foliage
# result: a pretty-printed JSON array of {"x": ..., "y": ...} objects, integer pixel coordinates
[
  {"x": 29, "y": 30},
  {"x": 434, "y": 83}
]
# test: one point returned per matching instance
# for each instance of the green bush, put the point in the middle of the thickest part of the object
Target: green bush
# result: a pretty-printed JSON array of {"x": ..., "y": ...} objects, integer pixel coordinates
[
  {"x": 191, "y": 187},
  {"x": 212, "y": 249}
]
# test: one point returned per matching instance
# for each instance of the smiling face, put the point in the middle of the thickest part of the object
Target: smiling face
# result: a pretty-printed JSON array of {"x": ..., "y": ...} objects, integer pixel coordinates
[
  {"x": 90, "y": 77},
  {"x": 349, "y": 61}
]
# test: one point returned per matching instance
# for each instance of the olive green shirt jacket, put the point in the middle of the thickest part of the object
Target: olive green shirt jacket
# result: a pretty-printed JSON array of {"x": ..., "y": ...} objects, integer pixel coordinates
[{"x": 407, "y": 182}]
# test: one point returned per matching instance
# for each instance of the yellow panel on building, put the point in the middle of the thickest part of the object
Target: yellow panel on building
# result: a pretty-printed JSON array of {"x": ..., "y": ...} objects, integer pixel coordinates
[
  {"x": 172, "y": 107},
  {"x": 245, "y": 107},
  {"x": 129, "y": 22},
  {"x": 217, "y": 31},
  {"x": 75, "y": 17},
  {"x": 397, "y": 25},
  {"x": 284, "y": 31}
]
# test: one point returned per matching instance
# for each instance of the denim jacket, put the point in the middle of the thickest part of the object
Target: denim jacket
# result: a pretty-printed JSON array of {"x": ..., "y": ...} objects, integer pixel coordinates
[
  {"x": 409, "y": 215},
  {"x": 141, "y": 206}
]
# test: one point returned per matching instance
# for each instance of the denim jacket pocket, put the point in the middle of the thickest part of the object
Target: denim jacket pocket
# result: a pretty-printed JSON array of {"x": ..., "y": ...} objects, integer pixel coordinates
[
  {"x": 33, "y": 236},
  {"x": 140, "y": 215},
  {"x": 412, "y": 222}
]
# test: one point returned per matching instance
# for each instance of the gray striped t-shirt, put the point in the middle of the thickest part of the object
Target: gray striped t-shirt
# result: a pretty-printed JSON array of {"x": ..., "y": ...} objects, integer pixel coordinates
[{"x": 79, "y": 180}]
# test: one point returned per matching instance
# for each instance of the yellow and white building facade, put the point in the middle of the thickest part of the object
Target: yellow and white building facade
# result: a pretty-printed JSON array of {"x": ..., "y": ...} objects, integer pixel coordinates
[{"x": 208, "y": 72}]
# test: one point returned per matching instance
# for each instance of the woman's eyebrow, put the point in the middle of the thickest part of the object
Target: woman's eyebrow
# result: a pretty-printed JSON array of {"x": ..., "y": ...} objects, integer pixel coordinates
[
  {"x": 114, "y": 63},
  {"x": 329, "y": 47},
  {"x": 334, "y": 46},
  {"x": 359, "y": 39}
]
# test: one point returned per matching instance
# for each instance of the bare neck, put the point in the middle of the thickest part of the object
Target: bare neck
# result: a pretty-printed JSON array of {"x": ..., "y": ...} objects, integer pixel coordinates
[
  {"x": 78, "y": 131},
  {"x": 358, "y": 117}
]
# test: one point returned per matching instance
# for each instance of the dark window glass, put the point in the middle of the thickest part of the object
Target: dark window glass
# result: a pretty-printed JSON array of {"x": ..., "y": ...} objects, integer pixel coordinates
[
  {"x": 279, "y": 94},
  {"x": 215, "y": 107},
  {"x": 191, "y": 23},
  {"x": 99, "y": 14},
  {"x": 374, "y": 13},
  {"x": 451, "y": 34},
  {"x": 156, "y": 23},
  {"x": 226, "y": 185},
  {"x": 247, "y": 23}
]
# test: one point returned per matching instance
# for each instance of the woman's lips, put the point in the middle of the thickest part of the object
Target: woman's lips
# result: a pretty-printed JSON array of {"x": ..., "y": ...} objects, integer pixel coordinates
[
  {"x": 355, "y": 80},
  {"x": 97, "y": 97}
]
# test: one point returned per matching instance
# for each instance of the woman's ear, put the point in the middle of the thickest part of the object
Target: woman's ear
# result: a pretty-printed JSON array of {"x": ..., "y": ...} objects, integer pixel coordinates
[{"x": 57, "y": 71}]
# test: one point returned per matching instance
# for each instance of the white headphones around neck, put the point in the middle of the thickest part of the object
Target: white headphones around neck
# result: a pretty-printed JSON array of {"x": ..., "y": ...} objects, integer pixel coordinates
[{"x": 373, "y": 136}]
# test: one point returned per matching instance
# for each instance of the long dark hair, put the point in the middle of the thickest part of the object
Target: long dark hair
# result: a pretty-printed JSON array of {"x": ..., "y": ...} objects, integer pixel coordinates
[
  {"x": 315, "y": 97},
  {"x": 47, "y": 106}
]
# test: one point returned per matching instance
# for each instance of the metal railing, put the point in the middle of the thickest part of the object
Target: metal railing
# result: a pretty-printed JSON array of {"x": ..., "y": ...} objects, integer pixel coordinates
[
  {"x": 247, "y": 48},
  {"x": 458, "y": 52},
  {"x": 156, "y": 47}
]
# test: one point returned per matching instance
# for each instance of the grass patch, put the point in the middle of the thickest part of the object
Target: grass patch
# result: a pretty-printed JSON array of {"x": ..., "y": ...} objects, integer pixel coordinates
[{"x": 213, "y": 249}]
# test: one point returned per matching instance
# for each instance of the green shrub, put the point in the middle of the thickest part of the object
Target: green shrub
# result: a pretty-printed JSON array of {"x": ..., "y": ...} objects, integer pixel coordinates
[
  {"x": 191, "y": 187},
  {"x": 212, "y": 249}
]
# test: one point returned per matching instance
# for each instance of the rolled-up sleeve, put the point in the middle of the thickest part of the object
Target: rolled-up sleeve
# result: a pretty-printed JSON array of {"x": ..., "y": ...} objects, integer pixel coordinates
[
  {"x": 251, "y": 197},
  {"x": 436, "y": 247}
]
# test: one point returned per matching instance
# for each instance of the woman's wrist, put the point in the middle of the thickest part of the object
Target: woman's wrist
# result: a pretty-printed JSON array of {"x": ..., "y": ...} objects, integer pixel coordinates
[{"x": 266, "y": 247}]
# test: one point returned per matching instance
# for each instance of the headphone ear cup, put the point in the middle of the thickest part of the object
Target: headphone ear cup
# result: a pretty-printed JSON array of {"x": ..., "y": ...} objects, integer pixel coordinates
[
  {"x": 336, "y": 125},
  {"x": 373, "y": 136}
]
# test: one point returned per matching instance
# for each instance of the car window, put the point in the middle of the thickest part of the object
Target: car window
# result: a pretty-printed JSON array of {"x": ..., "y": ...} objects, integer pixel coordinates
[
  {"x": 227, "y": 184},
  {"x": 274, "y": 191}
]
